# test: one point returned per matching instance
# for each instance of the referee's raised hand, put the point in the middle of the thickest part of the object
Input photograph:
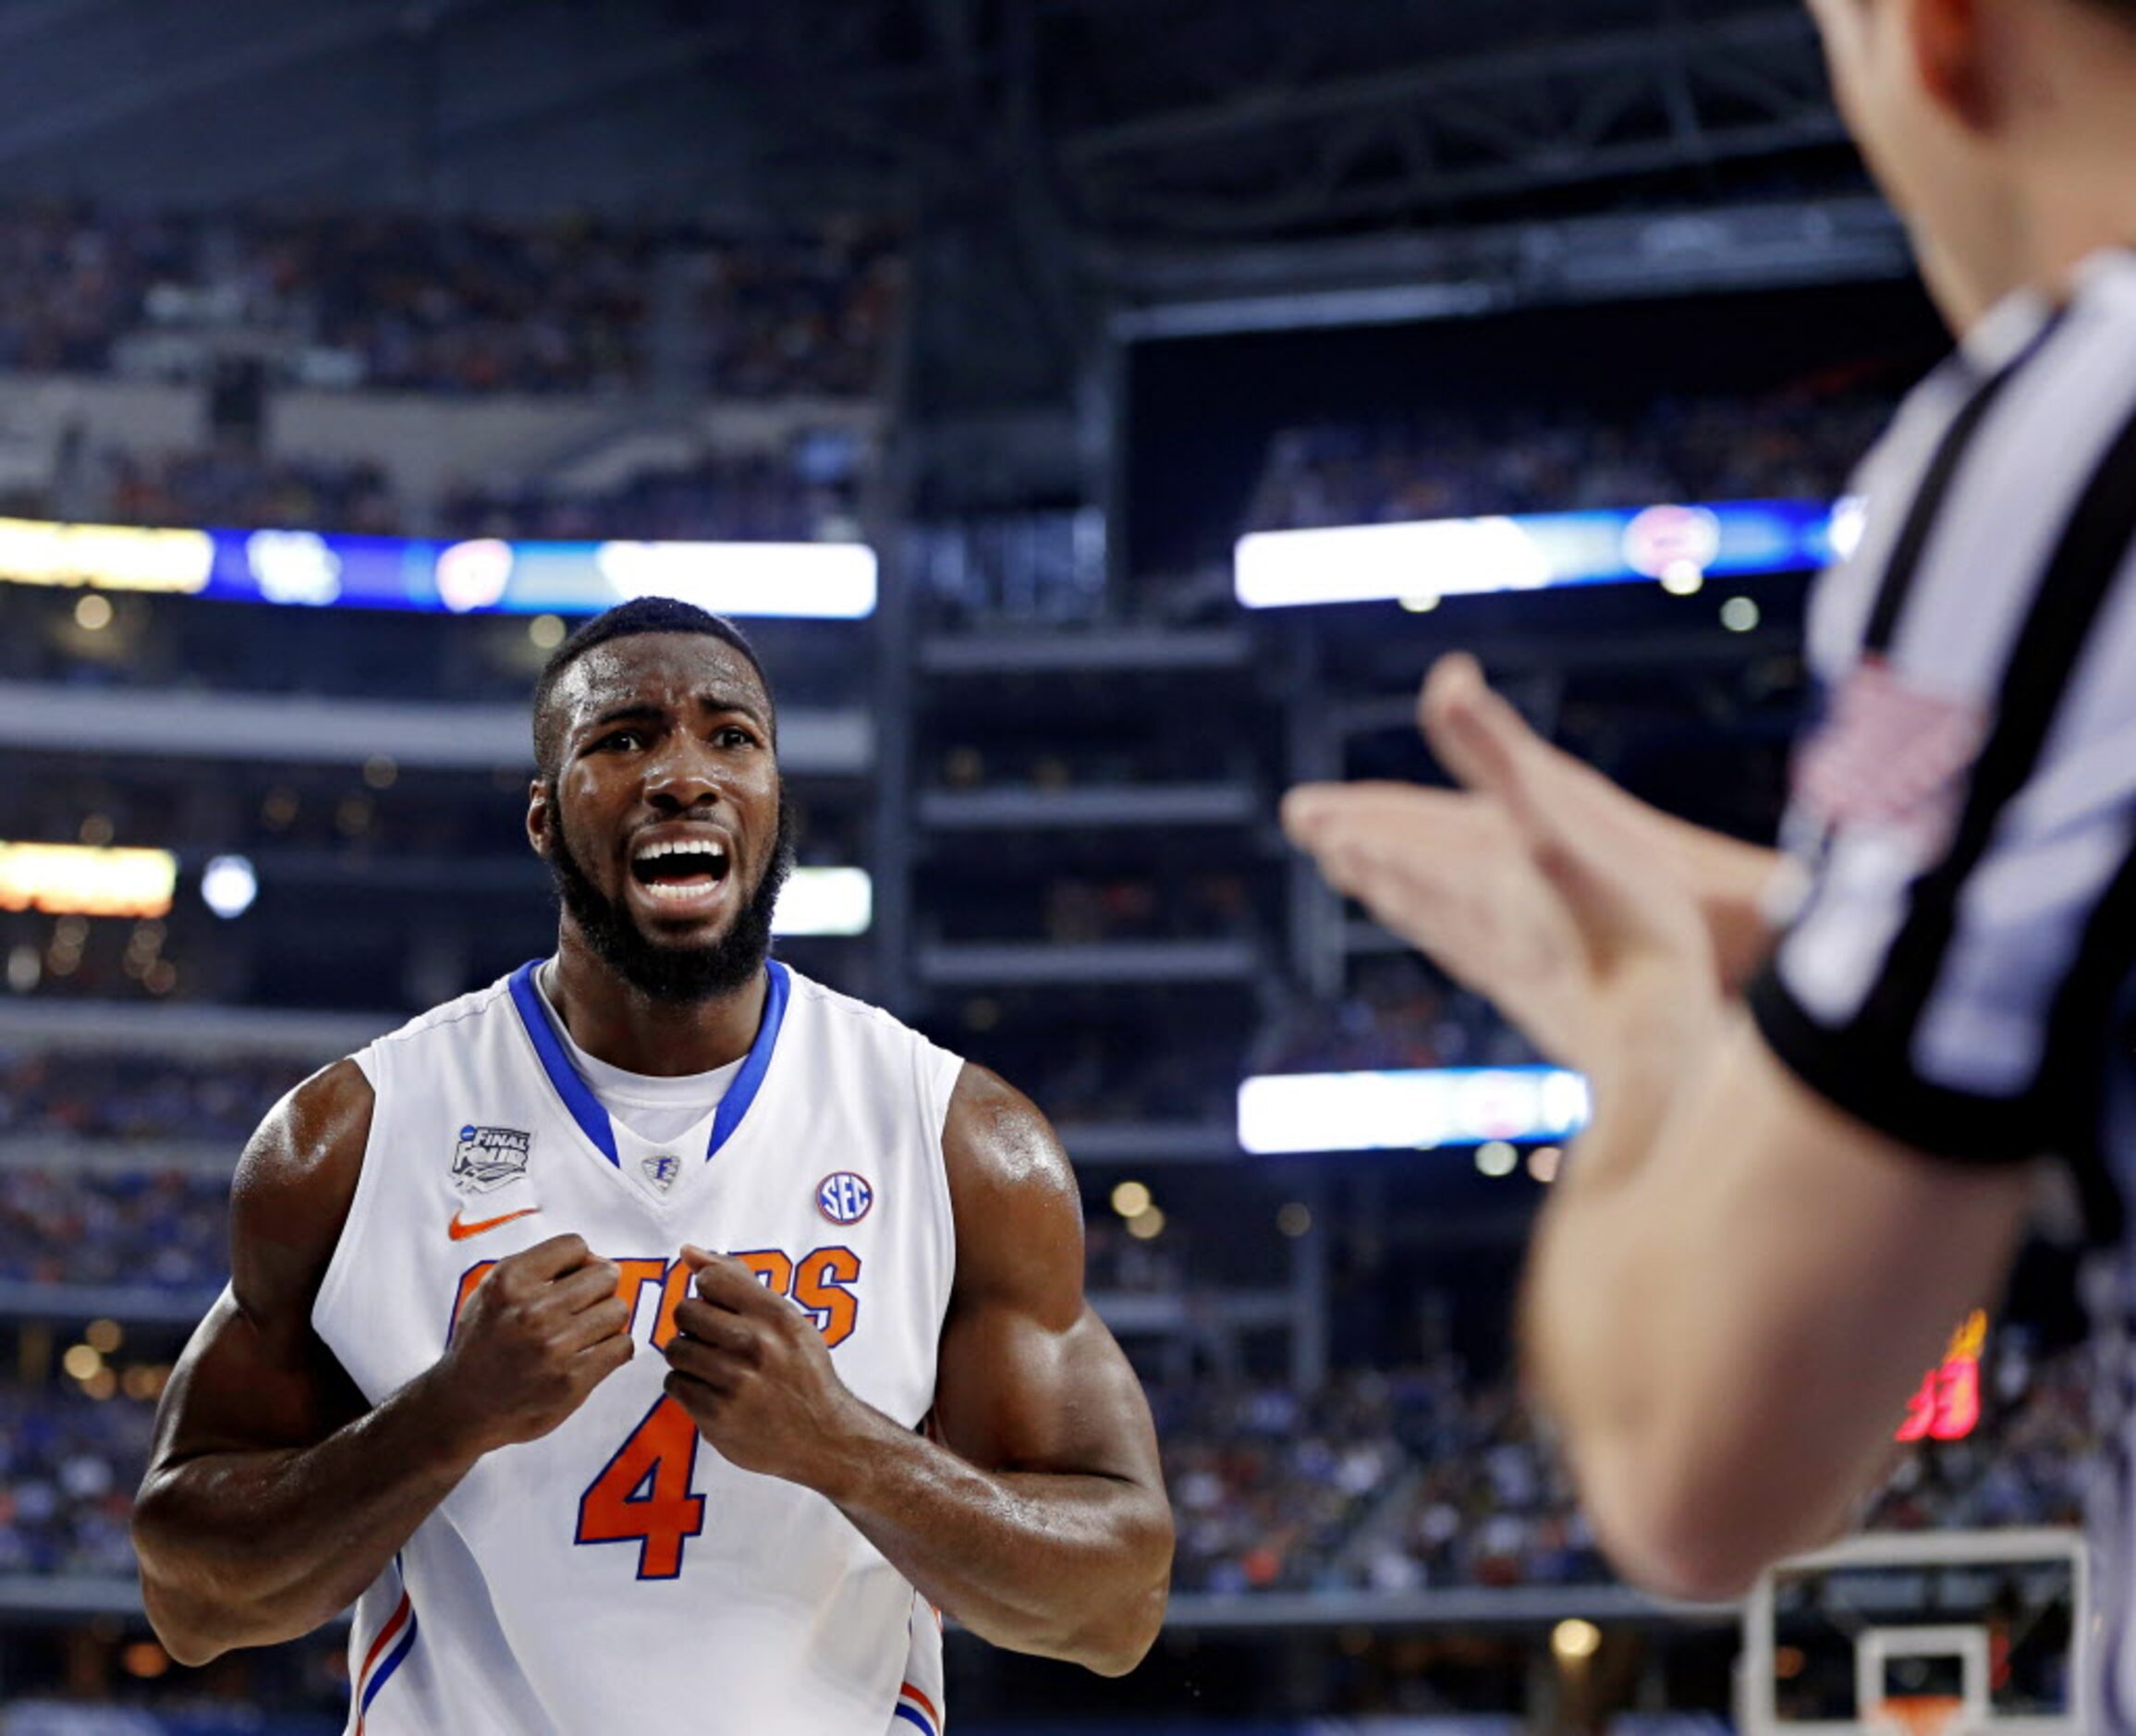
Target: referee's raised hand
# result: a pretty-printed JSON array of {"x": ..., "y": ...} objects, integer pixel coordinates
[{"x": 1537, "y": 882}]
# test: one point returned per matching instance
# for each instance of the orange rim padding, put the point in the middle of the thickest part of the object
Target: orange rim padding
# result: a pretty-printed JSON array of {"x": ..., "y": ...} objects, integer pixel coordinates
[{"x": 1920, "y": 1714}]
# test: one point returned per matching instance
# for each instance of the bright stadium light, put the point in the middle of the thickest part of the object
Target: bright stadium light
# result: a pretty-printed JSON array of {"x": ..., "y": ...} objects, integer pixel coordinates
[
  {"x": 1419, "y": 1109},
  {"x": 1681, "y": 545},
  {"x": 479, "y": 575},
  {"x": 87, "y": 880},
  {"x": 105, "y": 557},
  {"x": 1497, "y": 1158},
  {"x": 1383, "y": 562},
  {"x": 833, "y": 580},
  {"x": 294, "y": 567},
  {"x": 228, "y": 885},
  {"x": 825, "y": 901},
  {"x": 1849, "y": 518}
]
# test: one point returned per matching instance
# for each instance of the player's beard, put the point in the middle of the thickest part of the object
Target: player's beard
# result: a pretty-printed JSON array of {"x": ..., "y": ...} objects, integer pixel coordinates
[{"x": 683, "y": 975}]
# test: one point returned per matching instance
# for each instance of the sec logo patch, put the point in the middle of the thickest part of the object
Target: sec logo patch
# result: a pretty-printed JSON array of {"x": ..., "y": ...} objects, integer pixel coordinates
[{"x": 844, "y": 1197}]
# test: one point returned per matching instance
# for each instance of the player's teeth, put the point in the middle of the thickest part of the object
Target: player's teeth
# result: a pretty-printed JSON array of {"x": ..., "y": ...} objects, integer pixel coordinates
[
  {"x": 652, "y": 852},
  {"x": 674, "y": 890}
]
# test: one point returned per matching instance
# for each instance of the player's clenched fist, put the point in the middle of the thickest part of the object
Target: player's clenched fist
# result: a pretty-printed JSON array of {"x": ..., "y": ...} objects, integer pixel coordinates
[
  {"x": 754, "y": 1373},
  {"x": 540, "y": 1332}
]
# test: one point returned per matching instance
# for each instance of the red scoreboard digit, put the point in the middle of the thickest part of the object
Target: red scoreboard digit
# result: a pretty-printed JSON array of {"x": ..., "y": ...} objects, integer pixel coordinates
[{"x": 1947, "y": 1404}]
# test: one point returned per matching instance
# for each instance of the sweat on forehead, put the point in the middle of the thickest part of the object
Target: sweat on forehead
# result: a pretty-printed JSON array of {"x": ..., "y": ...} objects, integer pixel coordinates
[{"x": 663, "y": 668}]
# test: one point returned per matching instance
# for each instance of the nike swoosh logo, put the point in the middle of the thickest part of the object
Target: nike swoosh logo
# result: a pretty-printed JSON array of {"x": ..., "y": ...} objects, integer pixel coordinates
[{"x": 460, "y": 1230}]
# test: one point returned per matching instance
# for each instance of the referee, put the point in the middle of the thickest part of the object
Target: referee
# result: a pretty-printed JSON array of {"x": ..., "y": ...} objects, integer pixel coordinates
[{"x": 1821, "y": 1078}]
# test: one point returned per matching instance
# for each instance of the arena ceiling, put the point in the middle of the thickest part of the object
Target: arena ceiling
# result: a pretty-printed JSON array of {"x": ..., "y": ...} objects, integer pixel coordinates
[
  {"x": 1127, "y": 123},
  {"x": 1057, "y": 161}
]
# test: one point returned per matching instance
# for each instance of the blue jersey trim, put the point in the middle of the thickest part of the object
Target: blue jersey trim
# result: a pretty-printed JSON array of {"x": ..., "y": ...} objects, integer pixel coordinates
[
  {"x": 755, "y": 1064},
  {"x": 585, "y": 1108},
  {"x": 394, "y": 1659},
  {"x": 577, "y": 1093},
  {"x": 912, "y": 1717}
]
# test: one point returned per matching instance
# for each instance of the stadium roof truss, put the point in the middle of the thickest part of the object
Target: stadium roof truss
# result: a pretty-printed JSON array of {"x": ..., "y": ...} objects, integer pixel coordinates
[
  {"x": 1131, "y": 120},
  {"x": 1660, "y": 98}
]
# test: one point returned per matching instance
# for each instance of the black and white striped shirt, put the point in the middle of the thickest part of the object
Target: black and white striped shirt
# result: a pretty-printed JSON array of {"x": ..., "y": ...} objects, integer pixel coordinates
[{"x": 1958, "y": 972}]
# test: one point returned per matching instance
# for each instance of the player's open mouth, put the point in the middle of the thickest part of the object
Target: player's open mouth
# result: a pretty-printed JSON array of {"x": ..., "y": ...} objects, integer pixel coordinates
[{"x": 681, "y": 874}]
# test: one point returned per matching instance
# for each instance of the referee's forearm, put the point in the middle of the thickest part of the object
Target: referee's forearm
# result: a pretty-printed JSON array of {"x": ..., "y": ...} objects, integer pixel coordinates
[
  {"x": 1731, "y": 1297},
  {"x": 1601, "y": 1296}
]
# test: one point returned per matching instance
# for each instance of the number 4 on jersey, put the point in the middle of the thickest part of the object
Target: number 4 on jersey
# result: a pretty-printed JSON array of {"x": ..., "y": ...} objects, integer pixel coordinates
[{"x": 642, "y": 1494}]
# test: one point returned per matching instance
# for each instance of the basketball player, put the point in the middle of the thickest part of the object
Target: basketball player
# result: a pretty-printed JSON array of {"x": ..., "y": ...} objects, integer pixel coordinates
[
  {"x": 651, "y": 1338},
  {"x": 1811, "y": 1147}
]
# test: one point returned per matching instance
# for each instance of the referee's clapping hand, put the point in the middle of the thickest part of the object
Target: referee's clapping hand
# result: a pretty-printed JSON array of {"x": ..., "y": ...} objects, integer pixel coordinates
[{"x": 1536, "y": 883}]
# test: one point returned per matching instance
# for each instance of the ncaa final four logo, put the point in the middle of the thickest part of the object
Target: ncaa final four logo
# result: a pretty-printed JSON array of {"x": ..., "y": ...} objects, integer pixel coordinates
[
  {"x": 844, "y": 1197},
  {"x": 487, "y": 1158}
]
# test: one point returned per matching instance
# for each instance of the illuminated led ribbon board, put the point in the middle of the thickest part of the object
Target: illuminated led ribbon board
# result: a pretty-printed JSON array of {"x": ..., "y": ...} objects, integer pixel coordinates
[
  {"x": 1414, "y": 1109},
  {"x": 1427, "y": 560},
  {"x": 484, "y": 575}
]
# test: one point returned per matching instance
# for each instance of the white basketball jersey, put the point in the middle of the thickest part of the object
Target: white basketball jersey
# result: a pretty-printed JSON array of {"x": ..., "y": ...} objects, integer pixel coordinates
[{"x": 619, "y": 1568}]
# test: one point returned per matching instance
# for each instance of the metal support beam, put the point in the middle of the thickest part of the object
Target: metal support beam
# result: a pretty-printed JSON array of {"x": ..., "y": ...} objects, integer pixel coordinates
[
  {"x": 87, "y": 114},
  {"x": 1349, "y": 150},
  {"x": 1462, "y": 272},
  {"x": 1415, "y": 89}
]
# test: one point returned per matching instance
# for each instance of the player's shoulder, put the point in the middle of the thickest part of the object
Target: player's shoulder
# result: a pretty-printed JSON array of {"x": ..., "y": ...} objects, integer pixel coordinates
[
  {"x": 849, "y": 1016},
  {"x": 303, "y": 1159},
  {"x": 999, "y": 1139},
  {"x": 451, "y": 1016},
  {"x": 1012, "y": 1190},
  {"x": 820, "y": 997}
]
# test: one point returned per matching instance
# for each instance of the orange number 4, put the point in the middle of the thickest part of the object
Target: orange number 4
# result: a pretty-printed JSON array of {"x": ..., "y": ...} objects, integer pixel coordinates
[{"x": 642, "y": 1494}]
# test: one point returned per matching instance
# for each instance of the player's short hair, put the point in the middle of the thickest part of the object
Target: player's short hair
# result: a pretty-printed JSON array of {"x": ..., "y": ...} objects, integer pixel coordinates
[{"x": 626, "y": 620}]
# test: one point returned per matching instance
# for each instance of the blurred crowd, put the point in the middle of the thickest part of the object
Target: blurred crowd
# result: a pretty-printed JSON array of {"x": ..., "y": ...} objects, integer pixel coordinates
[
  {"x": 459, "y": 306},
  {"x": 802, "y": 318},
  {"x": 162, "y": 1230},
  {"x": 1105, "y": 751},
  {"x": 231, "y": 488},
  {"x": 1398, "y": 1012},
  {"x": 1422, "y": 1478},
  {"x": 1270, "y": 1485},
  {"x": 1094, "y": 1075},
  {"x": 796, "y": 494},
  {"x": 70, "y": 1465},
  {"x": 417, "y": 305},
  {"x": 133, "y": 1097},
  {"x": 1795, "y": 446}
]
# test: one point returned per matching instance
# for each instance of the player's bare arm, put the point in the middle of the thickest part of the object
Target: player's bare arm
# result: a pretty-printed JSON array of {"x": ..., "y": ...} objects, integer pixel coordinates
[
  {"x": 273, "y": 1494},
  {"x": 1724, "y": 1343},
  {"x": 1039, "y": 1519}
]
